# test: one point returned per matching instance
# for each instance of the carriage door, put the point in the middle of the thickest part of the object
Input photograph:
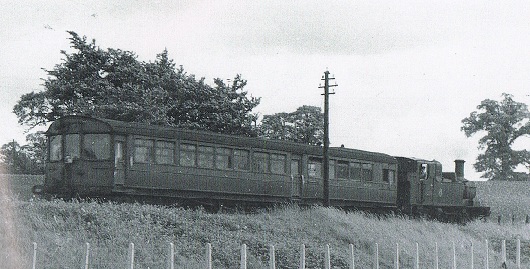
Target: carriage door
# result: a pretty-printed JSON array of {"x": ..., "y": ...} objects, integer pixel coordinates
[
  {"x": 296, "y": 176},
  {"x": 119, "y": 160}
]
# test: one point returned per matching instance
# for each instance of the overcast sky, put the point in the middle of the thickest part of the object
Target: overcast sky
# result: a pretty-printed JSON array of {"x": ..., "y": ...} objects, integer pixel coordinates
[{"x": 408, "y": 72}]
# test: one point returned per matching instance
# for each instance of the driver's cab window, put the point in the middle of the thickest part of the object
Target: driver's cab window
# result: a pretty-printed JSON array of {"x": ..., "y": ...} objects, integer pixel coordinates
[{"x": 423, "y": 171}]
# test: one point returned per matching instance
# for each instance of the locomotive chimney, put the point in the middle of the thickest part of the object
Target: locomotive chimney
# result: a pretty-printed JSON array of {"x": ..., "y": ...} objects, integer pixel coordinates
[{"x": 459, "y": 170}]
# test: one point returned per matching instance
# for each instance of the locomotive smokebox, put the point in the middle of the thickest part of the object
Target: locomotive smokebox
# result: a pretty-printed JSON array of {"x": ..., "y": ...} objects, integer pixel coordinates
[{"x": 459, "y": 170}]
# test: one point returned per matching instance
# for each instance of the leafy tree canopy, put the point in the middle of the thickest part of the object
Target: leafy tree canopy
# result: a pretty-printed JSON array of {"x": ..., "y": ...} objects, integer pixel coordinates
[
  {"x": 305, "y": 125},
  {"x": 503, "y": 122},
  {"x": 114, "y": 84},
  {"x": 27, "y": 159}
]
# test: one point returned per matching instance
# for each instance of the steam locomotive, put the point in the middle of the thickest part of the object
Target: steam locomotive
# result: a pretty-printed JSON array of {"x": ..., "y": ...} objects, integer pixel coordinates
[{"x": 94, "y": 157}]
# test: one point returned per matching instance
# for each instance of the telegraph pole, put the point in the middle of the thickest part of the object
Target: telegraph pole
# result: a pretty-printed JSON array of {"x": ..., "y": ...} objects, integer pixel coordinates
[{"x": 325, "y": 154}]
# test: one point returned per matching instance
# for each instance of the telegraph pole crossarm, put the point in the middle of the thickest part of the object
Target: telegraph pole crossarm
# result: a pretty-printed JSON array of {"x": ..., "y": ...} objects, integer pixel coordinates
[{"x": 325, "y": 154}]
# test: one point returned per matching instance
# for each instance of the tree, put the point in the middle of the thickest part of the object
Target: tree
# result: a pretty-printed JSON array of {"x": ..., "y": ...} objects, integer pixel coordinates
[
  {"x": 504, "y": 122},
  {"x": 17, "y": 159},
  {"x": 305, "y": 125},
  {"x": 114, "y": 84}
]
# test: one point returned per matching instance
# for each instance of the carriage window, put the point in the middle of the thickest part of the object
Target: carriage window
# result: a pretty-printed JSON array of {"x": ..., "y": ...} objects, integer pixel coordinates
[
  {"x": 96, "y": 146},
  {"x": 187, "y": 155},
  {"x": 314, "y": 168},
  {"x": 355, "y": 171},
  {"x": 342, "y": 169},
  {"x": 423, "y": 171},
  {"x": 164, "y": 153},
  {"x": 143, "y": 151},
  {"x": 331, "y": 169},
  {"x": 367, "y": 172},
  {"x": 72, "y": 146},
  {"x": 388, "y": 176},
  {"x": 278, "y": 164},
  {"x": 223, "y": 158},
  {"x": 241, "y": 159},
  {"x": 205, "y": 157},
  {"x": 56, "y": 153},
  {"x": 260, "y": 162}
]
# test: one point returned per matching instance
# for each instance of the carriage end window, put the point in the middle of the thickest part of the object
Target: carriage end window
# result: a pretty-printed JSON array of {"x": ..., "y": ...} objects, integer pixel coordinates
[
  {"x": 56, "y": 147},
  {"x": 96, "y": 146}
]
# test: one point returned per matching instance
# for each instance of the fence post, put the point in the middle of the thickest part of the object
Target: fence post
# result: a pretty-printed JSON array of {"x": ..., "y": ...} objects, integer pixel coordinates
[
  {"x": 472, "y": 258},
  {"x": 499, "y": 219},
  {"x": 208, "y": 256},
  {"x": 87, "y": 255},
  {"x": 454, "y": 255},
  {"x": 417, "y": 256},
  {"x": 503, "y": 251},
  {"x": 518, "y": 255},
  {"x": 327, "y": 258},
  {"x": 272, "y": 258},
  {"x": 352, "y": 257},
  {"x": 397, "y": 255},
  {"x": 527, "y": 221},
  {"x": 487, "y": 255},
  {"x": 376, "y": 256},
  {"x": 131, "y": 258},
  {"x": 34, "y": 255},
  {"x": 302, "y": 256},
  {"x": 171, "y": 256},
  {"x": 513, "y": 219},
  {"x": 244, "y": 256},
  {"x": 436, "y": 255}
]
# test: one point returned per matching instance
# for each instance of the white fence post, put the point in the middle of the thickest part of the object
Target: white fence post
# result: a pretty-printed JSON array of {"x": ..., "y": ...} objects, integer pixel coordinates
[
  {"x": 397, "y": 255},
  {"x": 454, "y": 255},
  {"x": 34, "y": 255},
  {"x": 487, "y": 255},
  {"x": 417, "y": 256},
  {"x": 352, "y": 257},
  {"x": 87, "y": 256},
  {"x": 503, "y": 251},
  {"x": 302, "y": 256},
  {"x": 472, "y": 257},
  {"x": 171, "y": 256},
  {"x": 327, "y": 258},
  {"x": 518, "y": 255},
  {"x": 244, "y": 256},
  {"x": 272, "y": 258},
  {"x": 208, "y": 256},
  {"x": 436, "y": 259},
  {"x": 376, "y": 256},
  {"x": 131, "y": 259}
]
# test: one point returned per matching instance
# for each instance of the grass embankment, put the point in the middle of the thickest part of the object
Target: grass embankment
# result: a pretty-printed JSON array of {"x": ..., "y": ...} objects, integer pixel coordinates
[{"x": 61, "y": 230}]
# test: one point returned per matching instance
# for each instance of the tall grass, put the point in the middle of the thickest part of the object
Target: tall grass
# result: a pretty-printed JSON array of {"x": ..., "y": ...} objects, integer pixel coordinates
[{"x": 61, "y": 230}]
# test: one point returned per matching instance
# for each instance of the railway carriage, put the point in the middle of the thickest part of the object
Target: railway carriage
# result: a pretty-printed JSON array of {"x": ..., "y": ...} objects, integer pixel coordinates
[{"x": 92, "y": 157}]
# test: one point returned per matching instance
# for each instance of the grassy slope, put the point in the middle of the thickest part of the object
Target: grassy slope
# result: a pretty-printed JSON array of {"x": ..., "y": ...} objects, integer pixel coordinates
[{"x": 61, "y": 230}]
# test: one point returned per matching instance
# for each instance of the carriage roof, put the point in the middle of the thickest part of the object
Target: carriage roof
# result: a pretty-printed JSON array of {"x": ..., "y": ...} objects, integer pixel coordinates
[{"x": 84, "y": 124}]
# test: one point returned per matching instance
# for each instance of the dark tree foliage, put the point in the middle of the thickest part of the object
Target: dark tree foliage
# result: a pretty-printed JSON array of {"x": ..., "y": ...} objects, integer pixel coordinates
[
  {"x": 114, "y": 84},
  {"x": 305, "y": 125},
  {"x": 503, "y": 122}
]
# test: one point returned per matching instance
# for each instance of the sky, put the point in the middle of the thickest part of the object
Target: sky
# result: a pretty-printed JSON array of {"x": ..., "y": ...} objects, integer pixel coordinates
[{"x": 408, "y": 72}]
